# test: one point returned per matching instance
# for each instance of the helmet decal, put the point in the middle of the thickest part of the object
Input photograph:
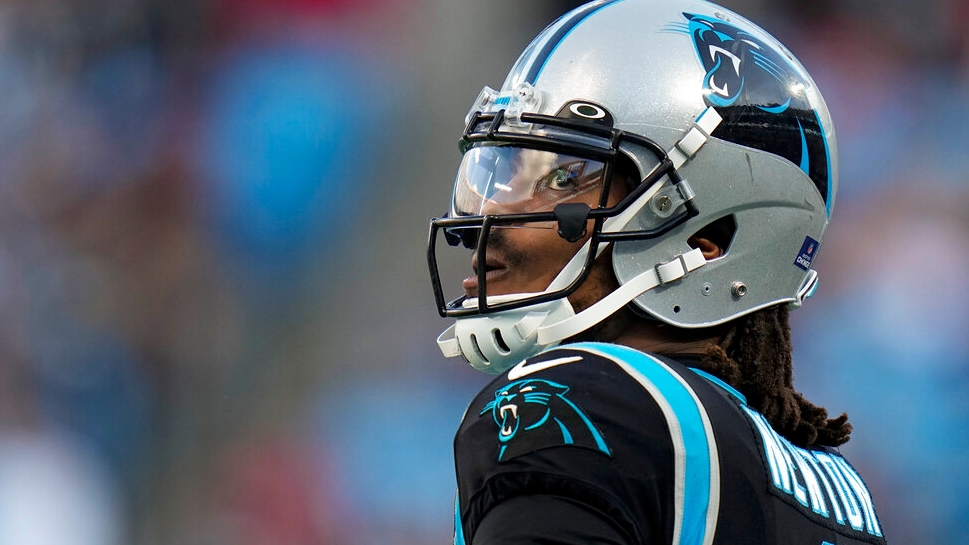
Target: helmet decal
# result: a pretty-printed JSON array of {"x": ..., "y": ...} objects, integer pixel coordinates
[
  {"x": 806, "y": 256},
  {"x": 751, "y": 83}
]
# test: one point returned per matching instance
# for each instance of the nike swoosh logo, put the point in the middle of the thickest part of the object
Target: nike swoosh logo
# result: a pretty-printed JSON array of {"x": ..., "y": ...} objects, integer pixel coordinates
[{"x": 522, "y": 369}]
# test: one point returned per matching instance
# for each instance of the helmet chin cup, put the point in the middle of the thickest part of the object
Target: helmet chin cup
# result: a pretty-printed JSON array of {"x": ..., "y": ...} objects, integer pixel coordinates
[{"x": 493, "y": 343}]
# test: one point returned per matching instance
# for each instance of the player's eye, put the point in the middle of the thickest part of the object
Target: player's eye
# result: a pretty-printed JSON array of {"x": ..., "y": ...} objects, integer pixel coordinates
[
  {"x": 563, "y": 178},
  {"x": 560, "y": 180}
]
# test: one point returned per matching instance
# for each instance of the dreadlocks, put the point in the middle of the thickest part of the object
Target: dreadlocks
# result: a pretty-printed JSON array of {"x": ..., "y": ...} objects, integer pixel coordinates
[{"x": 754, "y": 356}]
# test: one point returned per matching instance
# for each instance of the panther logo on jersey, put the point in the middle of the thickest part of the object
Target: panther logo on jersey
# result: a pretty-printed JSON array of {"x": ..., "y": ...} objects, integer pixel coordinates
[
  {"x": 533, "y": 414},
  {"x": 750, "y": 83}
]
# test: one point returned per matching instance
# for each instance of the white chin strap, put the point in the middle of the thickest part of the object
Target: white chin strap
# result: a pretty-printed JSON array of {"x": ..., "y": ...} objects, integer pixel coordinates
[
  {"x": 495, "y": 342},
  {"x": 607, "y": 306}
]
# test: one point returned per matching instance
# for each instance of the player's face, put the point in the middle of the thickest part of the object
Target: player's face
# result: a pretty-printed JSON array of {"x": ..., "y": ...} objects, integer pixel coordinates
[{"x": 526, "y": 258}]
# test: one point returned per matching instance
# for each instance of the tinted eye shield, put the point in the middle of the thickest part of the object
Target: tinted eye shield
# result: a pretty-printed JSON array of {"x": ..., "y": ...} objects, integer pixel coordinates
[
  {"x": 594, "y": 143},
  {"x": 499, "y": 179}
]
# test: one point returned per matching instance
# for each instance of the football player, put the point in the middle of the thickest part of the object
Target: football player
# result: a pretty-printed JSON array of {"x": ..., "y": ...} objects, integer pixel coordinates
[{"x": 641, "y": 204}]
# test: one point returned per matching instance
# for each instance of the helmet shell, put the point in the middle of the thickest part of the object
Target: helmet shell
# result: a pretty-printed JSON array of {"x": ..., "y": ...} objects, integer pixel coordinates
[{"x": 771, "y": 164}]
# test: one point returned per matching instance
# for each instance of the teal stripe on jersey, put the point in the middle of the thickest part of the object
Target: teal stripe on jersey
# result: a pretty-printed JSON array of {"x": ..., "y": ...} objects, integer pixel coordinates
[
  {"x": 458, "y": 526},
  {"x": 697, "y": 461},
  {"x": 716, "y": 380}
]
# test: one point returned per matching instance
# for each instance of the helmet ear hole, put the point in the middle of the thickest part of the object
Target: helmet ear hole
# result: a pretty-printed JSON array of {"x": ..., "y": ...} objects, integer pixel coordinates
[{"x": 719, "y": 232}]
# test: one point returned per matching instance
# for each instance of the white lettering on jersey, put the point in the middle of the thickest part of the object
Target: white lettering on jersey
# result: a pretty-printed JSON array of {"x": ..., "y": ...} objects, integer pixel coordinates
[
  {"x": 841, "y": 486},
  {"x": 820, "y": 480},
  {"x": 805, "y": 465},
  {"x": 864, "y": 497}
]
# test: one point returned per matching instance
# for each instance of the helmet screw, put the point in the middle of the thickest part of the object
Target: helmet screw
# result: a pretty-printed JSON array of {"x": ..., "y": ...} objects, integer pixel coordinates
[
  {"x": 707, "y": 288},
  {"x": 739, "y": 289}
]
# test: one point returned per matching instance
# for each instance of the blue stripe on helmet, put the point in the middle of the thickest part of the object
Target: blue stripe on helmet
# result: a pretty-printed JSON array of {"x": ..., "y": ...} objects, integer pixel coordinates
[
  {"x": 568, "y": 24},
  {"x": 829, "y": 194}
]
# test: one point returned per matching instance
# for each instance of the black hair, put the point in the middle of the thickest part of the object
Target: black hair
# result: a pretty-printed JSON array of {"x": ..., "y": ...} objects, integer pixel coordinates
[{"x": 754, "y": 355}]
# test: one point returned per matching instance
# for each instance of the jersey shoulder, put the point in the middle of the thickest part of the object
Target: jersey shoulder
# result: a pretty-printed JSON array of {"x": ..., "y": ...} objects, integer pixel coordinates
[
  {"x": 563, "y": 397},
  {"x": 608, "y": 426}
]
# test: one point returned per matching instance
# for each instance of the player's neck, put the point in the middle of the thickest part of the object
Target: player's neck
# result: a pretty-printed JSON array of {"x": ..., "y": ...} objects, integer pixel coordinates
[{"x": 658, "y": 338}]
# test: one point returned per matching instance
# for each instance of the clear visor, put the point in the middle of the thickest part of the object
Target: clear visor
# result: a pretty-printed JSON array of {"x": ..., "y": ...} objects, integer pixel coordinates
[{"x": 512, "y": 180}]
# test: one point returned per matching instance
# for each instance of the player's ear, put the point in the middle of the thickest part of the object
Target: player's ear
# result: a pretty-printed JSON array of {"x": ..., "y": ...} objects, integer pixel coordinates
[
  {"x": 710, "y": 249},
  {"x": 714, "y": 238}
]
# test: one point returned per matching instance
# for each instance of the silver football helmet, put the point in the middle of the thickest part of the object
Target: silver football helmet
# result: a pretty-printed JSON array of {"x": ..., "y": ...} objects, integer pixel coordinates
[{"x": 723, "y": 130}]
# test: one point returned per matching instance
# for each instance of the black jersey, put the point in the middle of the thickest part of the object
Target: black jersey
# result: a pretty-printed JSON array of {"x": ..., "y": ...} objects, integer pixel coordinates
[{"x": 599, "y": 443}]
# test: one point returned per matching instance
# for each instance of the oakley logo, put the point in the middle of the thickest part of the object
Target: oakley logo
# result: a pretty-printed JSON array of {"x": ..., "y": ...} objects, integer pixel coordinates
[{"x": 586, "y": 111}]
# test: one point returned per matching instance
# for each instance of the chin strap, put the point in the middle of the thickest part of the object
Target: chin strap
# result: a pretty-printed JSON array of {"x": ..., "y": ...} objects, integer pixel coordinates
[
  {"x": 493, "y": 343},
  {"x": 686, "y": 147},
  {"x": 663, "y": 273}
]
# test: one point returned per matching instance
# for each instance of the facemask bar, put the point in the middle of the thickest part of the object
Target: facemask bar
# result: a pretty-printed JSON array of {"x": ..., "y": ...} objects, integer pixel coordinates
[{"x": 487, "y": 127}]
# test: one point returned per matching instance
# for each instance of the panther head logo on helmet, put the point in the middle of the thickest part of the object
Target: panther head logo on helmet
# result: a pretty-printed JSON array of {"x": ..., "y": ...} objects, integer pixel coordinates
[{"x": 752, "y": 85}]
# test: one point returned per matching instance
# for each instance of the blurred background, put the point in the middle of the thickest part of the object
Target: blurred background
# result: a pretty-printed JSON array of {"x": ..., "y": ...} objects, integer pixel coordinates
[{"x": 216, "y": 324}]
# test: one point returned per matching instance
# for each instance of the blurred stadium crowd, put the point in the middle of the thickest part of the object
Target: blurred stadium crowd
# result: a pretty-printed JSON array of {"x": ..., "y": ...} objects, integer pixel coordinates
[{"x": 215, "y": 321}]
